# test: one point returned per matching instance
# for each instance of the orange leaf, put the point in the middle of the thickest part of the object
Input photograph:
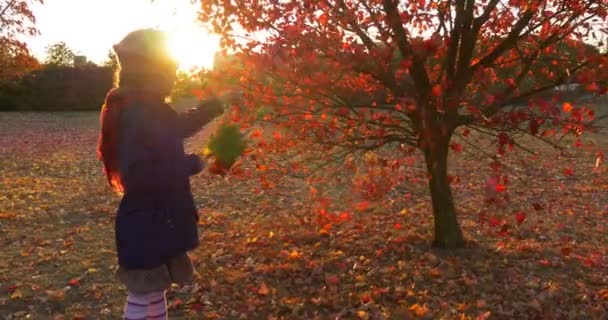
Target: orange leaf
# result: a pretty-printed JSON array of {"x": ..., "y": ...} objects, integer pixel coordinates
[
  {"x": 198, "y": 93},
  {"x": 419, "y": 310},
  {"x": 293, "y": 255},
  {"x": 567, "y": 107},
  {"x": 604, "y": 294},
  {"x": 263, "y": 290}
]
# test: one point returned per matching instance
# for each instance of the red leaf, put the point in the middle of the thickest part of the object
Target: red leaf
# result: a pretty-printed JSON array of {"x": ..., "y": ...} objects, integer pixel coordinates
[
  {"x": 362, "y": 206},
  {"x": 436, "y": 90},
  {"x": 198, "y": 93},
  {"x": 176, "y": 304},
  {"x": 567, "y": 107},
  {"x": 520, "y": 217},
  {"x": 344, "y": 216},
  {"x": 73, "y": 282},
  {"x": 500, "y": 187},
  {"x": 568, "y": 171},
  {"x": 332, "y": 280},
  {"x": 533, "y": 127},
  {"x": 456, "y": 146},
  {"x": 510, "y": 82},
  {"x": 494, "y": 222}
]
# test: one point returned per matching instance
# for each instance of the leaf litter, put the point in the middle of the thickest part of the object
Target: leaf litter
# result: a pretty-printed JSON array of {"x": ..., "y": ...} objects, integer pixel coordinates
[{"x": 541, "y": 253}]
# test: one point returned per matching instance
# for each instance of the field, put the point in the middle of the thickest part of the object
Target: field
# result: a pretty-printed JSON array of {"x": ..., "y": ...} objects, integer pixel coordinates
[{"x": 543, "y": 255}]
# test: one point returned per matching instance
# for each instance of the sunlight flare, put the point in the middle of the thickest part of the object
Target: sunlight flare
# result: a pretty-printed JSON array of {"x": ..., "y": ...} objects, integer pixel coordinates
[{"x": 193, "y": 48}]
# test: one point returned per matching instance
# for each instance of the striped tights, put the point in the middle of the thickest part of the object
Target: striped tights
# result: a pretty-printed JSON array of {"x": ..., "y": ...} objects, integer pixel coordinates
[{"x": 149, "y": 306}]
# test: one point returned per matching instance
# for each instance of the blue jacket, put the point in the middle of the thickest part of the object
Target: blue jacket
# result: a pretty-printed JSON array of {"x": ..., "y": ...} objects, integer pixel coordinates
[{"x": 157, "y": 218}]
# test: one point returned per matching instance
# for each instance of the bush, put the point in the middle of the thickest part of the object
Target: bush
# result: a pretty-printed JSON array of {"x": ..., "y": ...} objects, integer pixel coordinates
[
  {"x": 66, "y": 88},
  {"x": 57, "y": 88}
]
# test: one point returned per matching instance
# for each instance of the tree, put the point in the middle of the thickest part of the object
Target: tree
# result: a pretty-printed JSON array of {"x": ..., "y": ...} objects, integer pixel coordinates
[
  {"x": 111, "y": 60},
  {"x": 354, "y": 76},
  {"x": 59, "y": 54},
  {"x": 185, "y": 85},
  {"x": 16, "y": 19}
]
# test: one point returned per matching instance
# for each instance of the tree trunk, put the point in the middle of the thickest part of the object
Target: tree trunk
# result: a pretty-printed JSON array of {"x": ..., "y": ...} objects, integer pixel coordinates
[{"x": 447, "y": 230}]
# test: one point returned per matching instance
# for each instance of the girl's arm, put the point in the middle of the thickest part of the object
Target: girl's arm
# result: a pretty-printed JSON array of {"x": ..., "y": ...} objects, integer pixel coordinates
[
  {"x": 194, "y": 119},
  {"x": 142, "y": 167},
  {"x": 190, "y": 122}
]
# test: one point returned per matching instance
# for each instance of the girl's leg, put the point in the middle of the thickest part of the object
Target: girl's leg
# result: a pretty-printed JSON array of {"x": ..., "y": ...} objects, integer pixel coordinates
[
  {"x": 157, "y": 306},
  {"x": 136, "y": 307}
]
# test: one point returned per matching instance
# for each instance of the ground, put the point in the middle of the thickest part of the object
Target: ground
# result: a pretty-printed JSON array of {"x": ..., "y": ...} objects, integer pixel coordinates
[{"x": 541, "y": 255}]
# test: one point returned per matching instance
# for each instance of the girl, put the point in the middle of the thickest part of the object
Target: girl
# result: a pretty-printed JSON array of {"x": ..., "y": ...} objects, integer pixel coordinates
[{"x": 141, "y": 147}]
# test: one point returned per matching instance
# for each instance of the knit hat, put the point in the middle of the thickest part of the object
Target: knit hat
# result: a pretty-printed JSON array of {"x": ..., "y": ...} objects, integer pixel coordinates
[{"x": 150, "y": 44}]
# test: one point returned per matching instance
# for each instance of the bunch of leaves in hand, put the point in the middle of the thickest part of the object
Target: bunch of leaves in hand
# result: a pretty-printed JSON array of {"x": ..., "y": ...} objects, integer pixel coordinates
[{"x": 226, "y": 145}]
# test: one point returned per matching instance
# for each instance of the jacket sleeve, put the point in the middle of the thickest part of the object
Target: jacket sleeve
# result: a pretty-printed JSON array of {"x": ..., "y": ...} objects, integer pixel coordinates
[
  {"x": 191, "y": 121},
  {"x": 144, "y": 167}
]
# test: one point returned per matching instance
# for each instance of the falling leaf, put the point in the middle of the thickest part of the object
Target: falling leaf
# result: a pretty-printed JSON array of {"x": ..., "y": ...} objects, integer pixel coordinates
[{"x": 436, "y": 91}]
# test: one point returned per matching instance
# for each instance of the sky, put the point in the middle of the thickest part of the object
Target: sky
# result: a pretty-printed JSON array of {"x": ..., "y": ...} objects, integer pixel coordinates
[{"x": 91, "y": 27}]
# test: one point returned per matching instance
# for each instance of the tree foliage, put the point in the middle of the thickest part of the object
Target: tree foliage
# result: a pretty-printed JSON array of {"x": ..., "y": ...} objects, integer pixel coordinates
[
  {"x": 329, "y": 71},
  {"x": 185, "y": 85},
  {"x": 57, "y": 88},
  {"x": 59, "y": 54},
  {"x": 111, "y": 60},
  {"x": 16, "y": 20}
]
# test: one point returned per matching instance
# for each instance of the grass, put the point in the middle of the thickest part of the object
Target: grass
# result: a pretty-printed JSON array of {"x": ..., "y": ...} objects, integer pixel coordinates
[{"x": 262, "y": 257}]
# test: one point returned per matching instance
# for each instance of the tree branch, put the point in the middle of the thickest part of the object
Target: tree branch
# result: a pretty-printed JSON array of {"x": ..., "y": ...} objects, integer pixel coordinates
[
  {"x": 508, "y": 43},
  {"x": 419, "y": 74}
]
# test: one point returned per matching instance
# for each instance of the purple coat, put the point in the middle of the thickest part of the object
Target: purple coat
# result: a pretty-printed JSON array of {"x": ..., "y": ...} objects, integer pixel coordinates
[{"x": 157, "y": 218}]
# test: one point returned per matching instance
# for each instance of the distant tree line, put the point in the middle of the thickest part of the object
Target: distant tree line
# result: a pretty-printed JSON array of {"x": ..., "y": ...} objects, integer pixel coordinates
[{"x": 56, "y": 85}]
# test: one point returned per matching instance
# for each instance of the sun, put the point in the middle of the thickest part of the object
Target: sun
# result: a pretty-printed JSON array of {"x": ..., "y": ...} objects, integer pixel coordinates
[{"x": 193, "y": 47}]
